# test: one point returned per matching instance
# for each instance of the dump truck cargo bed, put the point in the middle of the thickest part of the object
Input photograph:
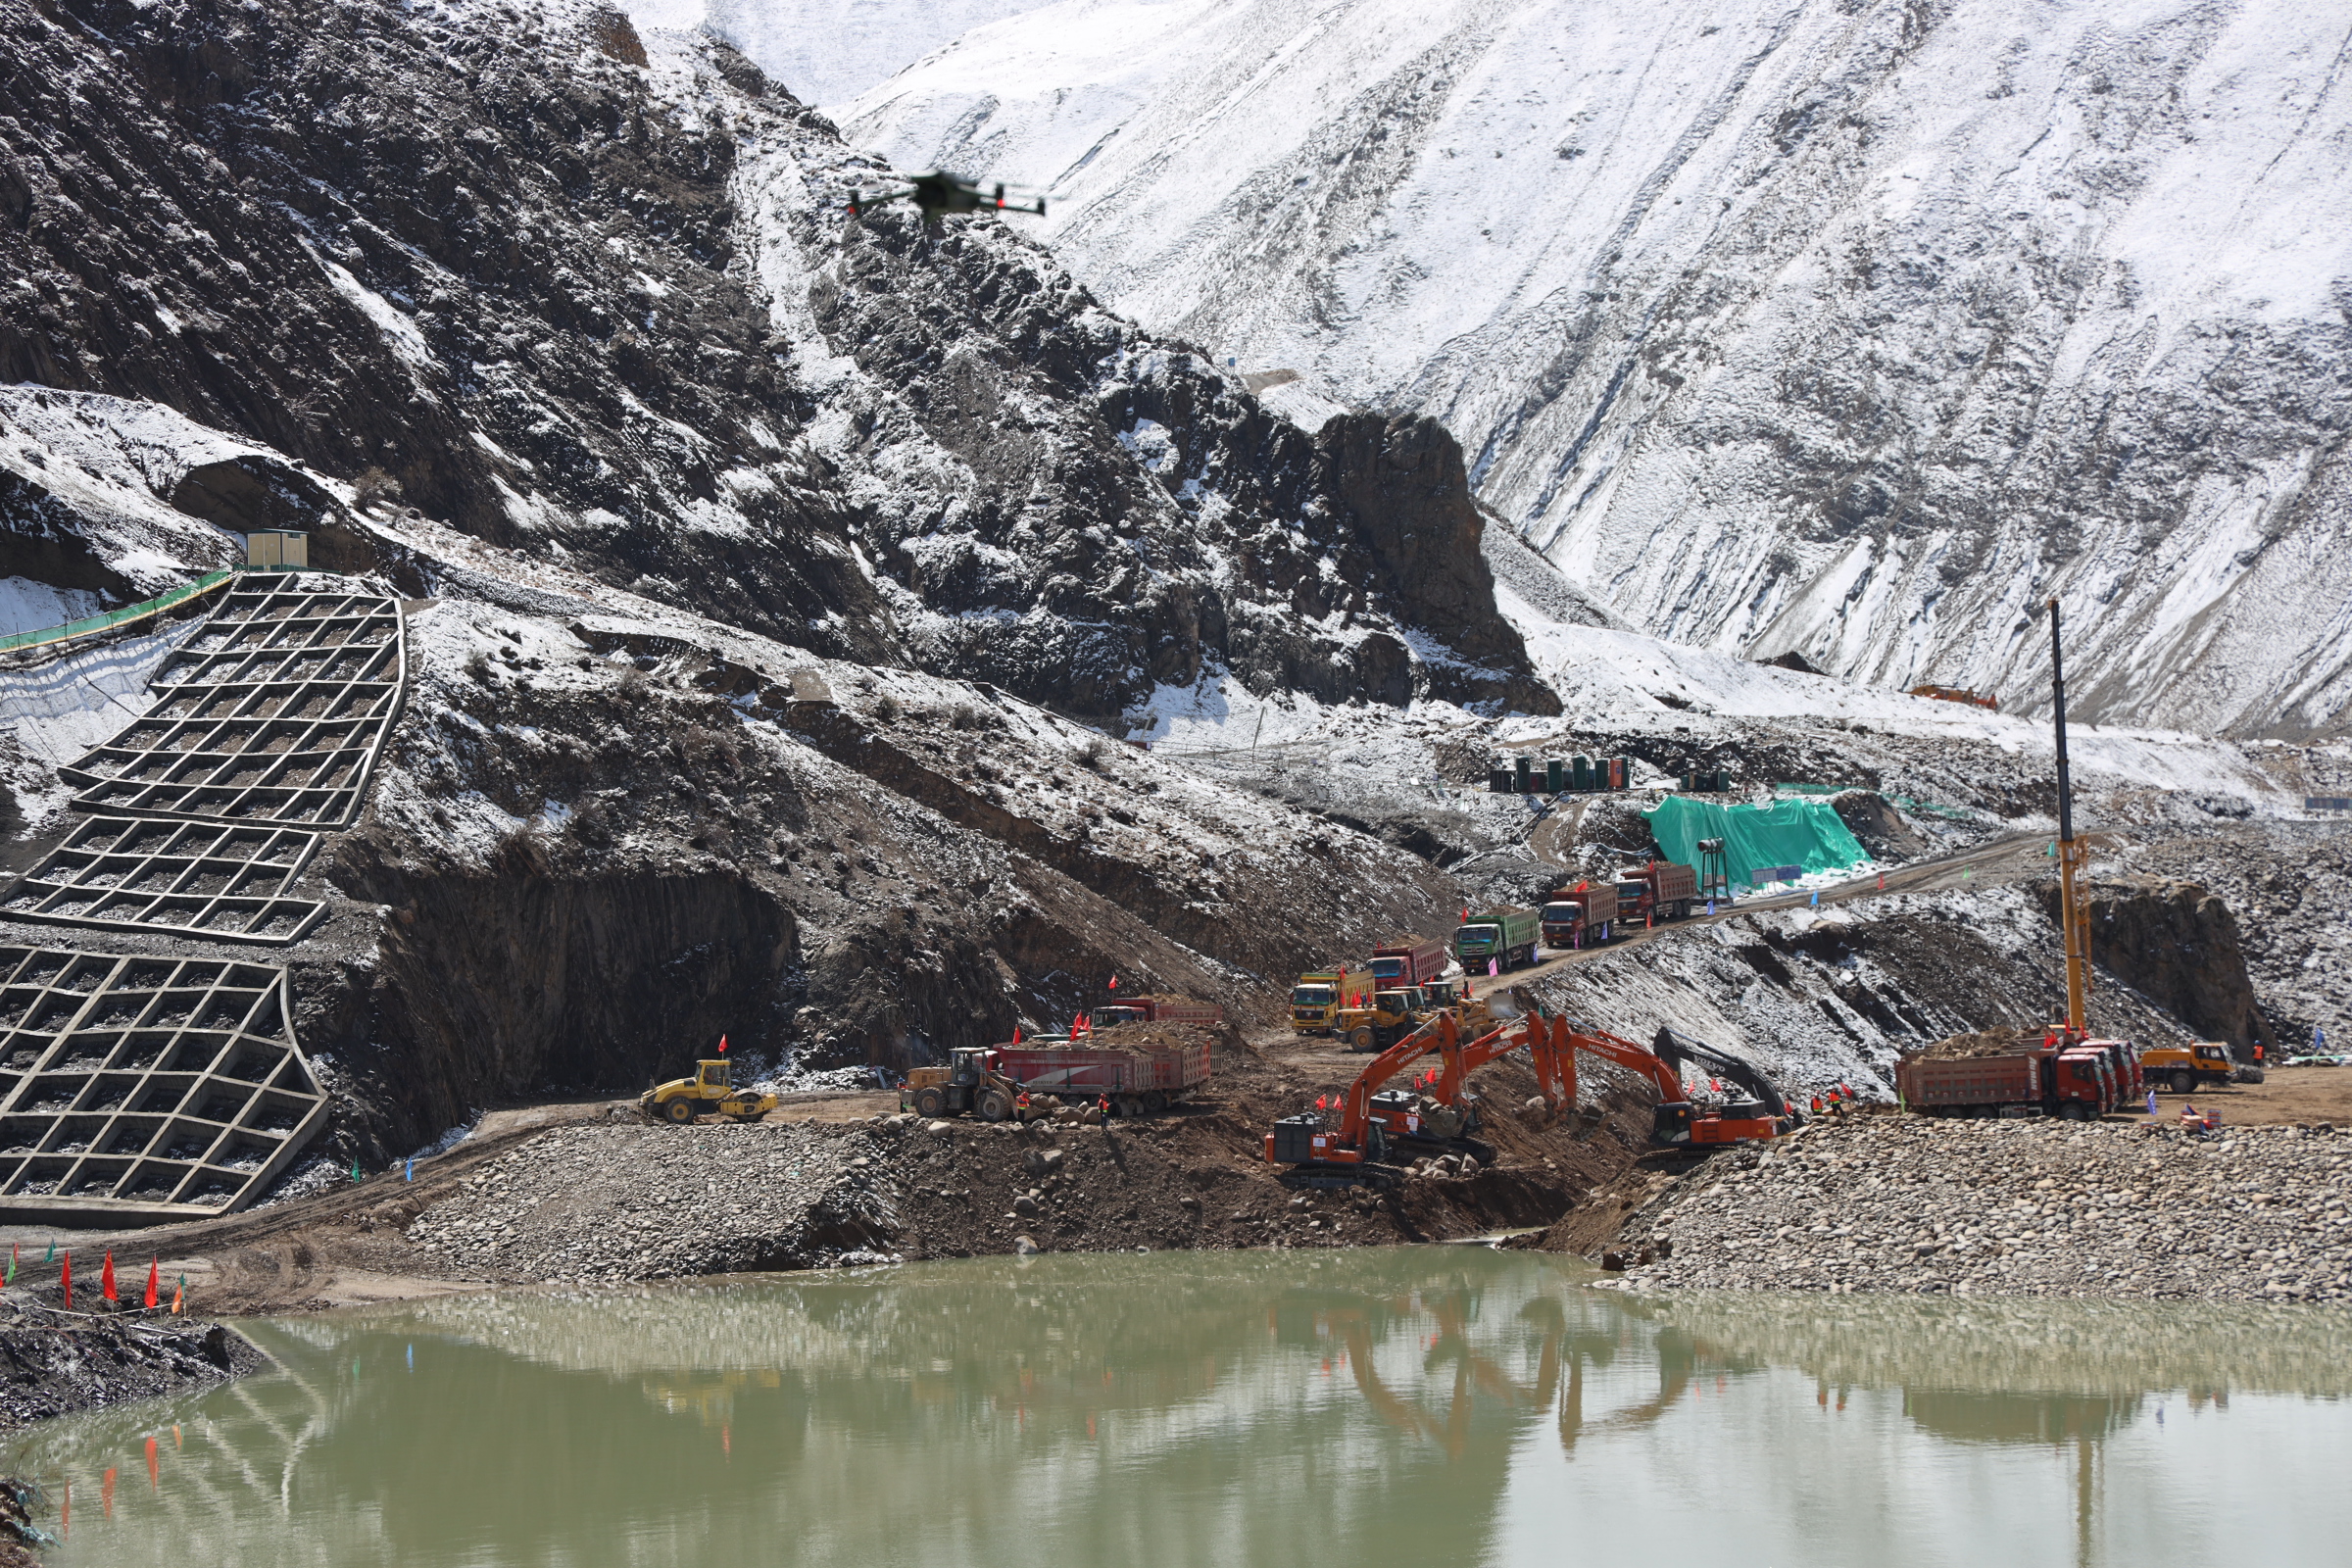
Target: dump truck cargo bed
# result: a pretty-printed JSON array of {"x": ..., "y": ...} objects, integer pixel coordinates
[
  {"x": 1931, "y": 1083},
  {"x": 1082, "y": 1073}
]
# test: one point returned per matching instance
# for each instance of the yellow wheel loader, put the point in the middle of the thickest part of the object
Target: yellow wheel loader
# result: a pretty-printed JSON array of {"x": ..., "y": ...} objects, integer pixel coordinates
[{"x": 711, "y": 1088}]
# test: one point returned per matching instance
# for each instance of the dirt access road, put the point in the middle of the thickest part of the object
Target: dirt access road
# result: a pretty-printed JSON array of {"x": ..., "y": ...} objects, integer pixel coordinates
[{"x": 2013, "y": 857}]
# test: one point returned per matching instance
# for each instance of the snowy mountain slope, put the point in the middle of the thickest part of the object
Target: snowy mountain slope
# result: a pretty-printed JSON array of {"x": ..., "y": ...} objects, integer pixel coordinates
[
  {"x": 824, "y": 51},
  {"x": 1848, "y": 328},
  {"x": 606, "y": 304}
]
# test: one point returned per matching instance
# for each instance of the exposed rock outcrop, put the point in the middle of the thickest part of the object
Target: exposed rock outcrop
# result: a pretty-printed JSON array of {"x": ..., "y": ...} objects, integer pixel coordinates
[{"x": 2176, "y": 943}]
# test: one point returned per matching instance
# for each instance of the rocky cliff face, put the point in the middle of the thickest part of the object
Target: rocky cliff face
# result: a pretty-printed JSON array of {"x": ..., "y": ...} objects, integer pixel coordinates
[
  {"x": 604, "y": 305},
  {"x": 2176, "y": 945}
]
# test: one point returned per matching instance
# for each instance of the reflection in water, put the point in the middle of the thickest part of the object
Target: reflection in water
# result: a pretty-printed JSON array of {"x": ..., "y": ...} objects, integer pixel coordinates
[{"x": 1423, "y": 1405}]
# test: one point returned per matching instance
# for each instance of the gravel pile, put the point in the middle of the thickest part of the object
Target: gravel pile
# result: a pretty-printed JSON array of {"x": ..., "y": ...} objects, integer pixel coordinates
[
  {"x": 606, "y": 1204},
  {"x": 2014, "y": 1209}
]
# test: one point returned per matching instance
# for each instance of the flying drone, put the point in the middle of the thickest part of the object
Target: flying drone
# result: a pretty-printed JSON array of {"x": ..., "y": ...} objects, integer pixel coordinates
[{"x": 939, "y": 193}]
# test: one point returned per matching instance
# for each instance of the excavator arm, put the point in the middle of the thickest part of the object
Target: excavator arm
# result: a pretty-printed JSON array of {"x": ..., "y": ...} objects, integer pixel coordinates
[
  {"x": 1679, "y": 1122},
  {"x": 1440, "y": 1033},
  {"x": 1468, "y": 1056},
  {"x": 1674, "y": 1049}
]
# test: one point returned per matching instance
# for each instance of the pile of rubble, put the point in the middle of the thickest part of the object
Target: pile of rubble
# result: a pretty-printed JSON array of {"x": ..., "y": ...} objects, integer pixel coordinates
[
  {"x": 596, "y": 1203},
  {"x": 2011, "y": 1207}
]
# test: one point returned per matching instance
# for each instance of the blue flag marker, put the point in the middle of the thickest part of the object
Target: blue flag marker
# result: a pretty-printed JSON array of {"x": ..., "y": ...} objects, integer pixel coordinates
[
  {"x": 412, "y": 1359},
  {"x": 412, "y": 1167},
  {"x": 1817, "y": 898}
]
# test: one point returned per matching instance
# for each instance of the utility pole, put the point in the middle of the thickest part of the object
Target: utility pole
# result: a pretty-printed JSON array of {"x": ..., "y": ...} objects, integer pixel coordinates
[{"x": 2072, "y": 890}]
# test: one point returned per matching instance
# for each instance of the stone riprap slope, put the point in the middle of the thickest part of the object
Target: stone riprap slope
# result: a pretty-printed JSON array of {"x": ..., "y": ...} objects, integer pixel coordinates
[
  {"x": 642, "y": 1203},
  {"x": 2015, "y": 1208}
]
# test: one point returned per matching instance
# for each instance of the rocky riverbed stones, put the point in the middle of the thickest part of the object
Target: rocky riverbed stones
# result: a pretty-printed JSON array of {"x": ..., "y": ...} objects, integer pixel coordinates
[
  {"x": 2013, "y": 1207},
  {"x": 608, "y": 1203}
]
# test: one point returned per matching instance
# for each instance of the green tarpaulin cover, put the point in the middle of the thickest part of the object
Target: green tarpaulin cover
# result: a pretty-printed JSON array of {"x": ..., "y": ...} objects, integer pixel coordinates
[{"x": 1800, "y": 833}]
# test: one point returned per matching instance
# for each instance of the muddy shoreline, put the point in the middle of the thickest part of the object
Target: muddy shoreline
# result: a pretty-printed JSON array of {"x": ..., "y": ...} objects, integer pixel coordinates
[{"x": 54, "y": 1364}]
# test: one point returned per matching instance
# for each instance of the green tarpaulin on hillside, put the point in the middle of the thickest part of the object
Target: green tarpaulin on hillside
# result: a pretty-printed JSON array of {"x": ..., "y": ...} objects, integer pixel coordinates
[{"x": 1801, "y": 833}]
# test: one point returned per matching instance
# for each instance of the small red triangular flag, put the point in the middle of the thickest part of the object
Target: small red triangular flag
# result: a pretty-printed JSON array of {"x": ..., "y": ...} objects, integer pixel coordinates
[
  {"x": 722, "y": 1044},
  {"x": 106, "y": 1278},
  {"x": 1114, "y": 982},
  {"x": 1319, "y": 1105},
  {"x": 1016, "y": 1034},
  {"x": 67, "y": 1279},
  {"x": 155, "y": 1280}
]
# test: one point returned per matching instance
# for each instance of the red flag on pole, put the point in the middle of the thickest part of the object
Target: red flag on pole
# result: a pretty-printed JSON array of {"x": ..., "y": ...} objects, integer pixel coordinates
[
  {"x": 106, "y": 1278},
  {"x": 1114, "y": 982},
  {"x": 1319, "y": 1105},
  {"x": 1016, "y": 1034},
  {"x": 68, "y": 1278},
  {"x": 155, "y": 1281},
  {"x": 722, "y": 1044}
]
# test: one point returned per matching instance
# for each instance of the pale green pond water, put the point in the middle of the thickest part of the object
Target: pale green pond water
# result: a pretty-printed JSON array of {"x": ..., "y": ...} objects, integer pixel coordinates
[{"x": 1398, "y": 1406}]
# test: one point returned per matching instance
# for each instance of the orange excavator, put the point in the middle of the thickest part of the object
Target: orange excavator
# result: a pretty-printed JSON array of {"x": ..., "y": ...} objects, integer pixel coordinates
[
  {"x": 1752, "y": 1116},
  {"x": 1375, "y": 1125},
  {"x": 1358, "y": 1149}
]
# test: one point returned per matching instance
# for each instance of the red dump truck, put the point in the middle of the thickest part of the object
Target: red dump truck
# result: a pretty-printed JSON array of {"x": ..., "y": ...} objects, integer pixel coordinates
[
  {"x": 1580, "y": 917},
  {"x": 1159, "y": 1009},
  {"x": 1409, "y": 961},
  {"x": 2075, "y": 1082},
  {"x": 1660, "y": 890},
  {"x": 1138, "y": 1081}
]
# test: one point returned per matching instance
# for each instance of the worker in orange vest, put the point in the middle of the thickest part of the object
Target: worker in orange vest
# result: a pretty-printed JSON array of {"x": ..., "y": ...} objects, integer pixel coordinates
[{"x": 1103, "y": 1105}]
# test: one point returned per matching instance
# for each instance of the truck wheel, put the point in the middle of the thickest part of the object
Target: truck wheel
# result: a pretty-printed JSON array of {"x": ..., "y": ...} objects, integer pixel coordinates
[
  {"x": 994, "y": 1105},
  {"x": 2184, "y": 1083},
  {"x": 679, "y": 1110},
  {"x": 1154, "y": 1101},
  {"x": 1361, "y": 1039},
  {"x": 929, "y": 1102},
  {"x": 2071, "y": 1110},
  {"x": 1130, "y": 1104}
]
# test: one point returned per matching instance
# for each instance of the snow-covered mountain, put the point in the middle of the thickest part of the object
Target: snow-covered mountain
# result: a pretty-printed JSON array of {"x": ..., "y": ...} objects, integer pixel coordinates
[
  {"x": 1852, "y": 328},
  {"x": 824, "y": 51}
]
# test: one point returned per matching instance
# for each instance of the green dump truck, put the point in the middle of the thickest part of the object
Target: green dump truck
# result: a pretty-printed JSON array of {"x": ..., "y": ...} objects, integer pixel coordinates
[{"x": 1507, "y": 936}]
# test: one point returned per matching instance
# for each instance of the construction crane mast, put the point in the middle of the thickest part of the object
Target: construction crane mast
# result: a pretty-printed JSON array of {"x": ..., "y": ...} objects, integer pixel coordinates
[{"x": 2073, "y": 890}]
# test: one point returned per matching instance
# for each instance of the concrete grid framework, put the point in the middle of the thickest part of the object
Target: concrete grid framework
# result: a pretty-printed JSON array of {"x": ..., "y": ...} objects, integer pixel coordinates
[
  {"x": 154, "y": 1087},
  {"x": 145, "y": 1088},
  {"x": 273, "y": 713},
  {"x": 204, "y": 878}
]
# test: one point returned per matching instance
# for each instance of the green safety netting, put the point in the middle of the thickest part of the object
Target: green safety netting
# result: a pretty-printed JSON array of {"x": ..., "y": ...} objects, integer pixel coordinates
[
  {"x": 115, "y": 617},
  {"x": 1805, "y": 834}
]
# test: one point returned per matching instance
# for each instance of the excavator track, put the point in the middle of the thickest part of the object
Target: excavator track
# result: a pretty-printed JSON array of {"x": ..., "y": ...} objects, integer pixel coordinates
[{"x": 1386, "y": 1178}]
